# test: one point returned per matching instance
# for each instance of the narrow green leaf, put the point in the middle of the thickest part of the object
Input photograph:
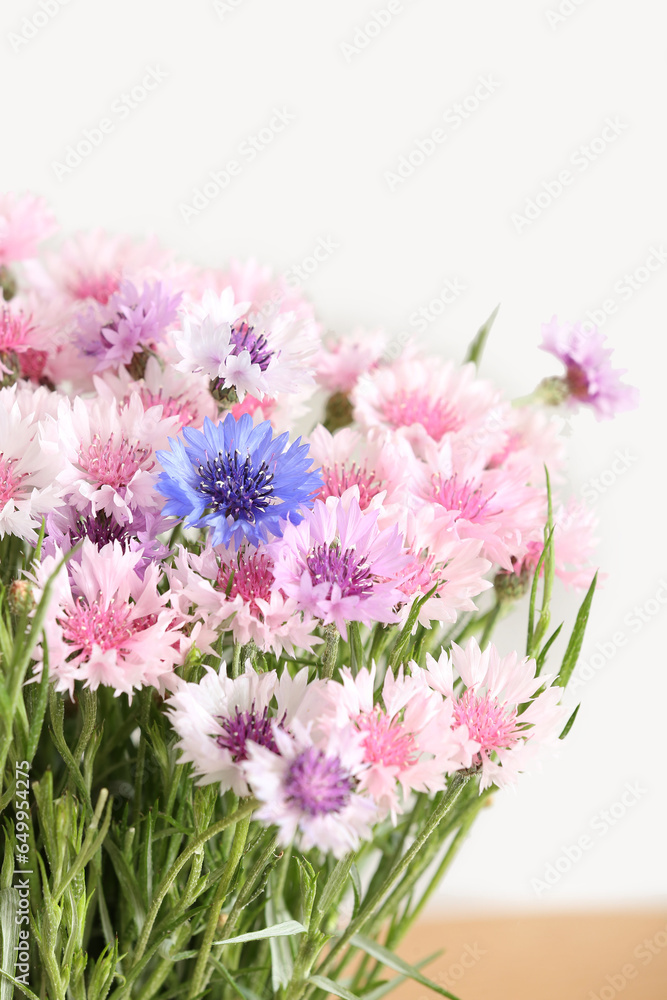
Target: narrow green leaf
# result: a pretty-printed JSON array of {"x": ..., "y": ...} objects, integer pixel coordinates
[
  {"x": 392, "y": 961},
  {"x": 387, "y": 987},
  {"x": 284, "y": 929},
  {"x": 476, "y": 348},
  {"x": 570, "y": 722},
  {"x": 242, "y": 991},
  {"x": 19, "y": 986},
  {"x": 328, "y": 985},
  {"x": 542, "y": 657},
  {"x": 577, "y": 637}
]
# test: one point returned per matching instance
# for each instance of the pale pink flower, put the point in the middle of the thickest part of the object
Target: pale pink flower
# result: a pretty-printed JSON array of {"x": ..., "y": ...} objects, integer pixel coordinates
[
  {"x": 408, "y": 739},
  {"x": 28, "y": 468},
  {"x": 495, "y": 505},
  {"x": 185, "y": 397},
  {"x": 109, "y": 453},
  {"x": 254, "y": 283},
  {"x": 309, "y": 790},
  {"x": 375, "y": 463},
  {"x": 106, "y": 623},
  {"x": 340, "y": 362},
  {"x": 457, "y": 573},
  {"x": 25, "y": 220},
  {"x": 429, "y": 402},
  {"x": 220, "y": 719},
  {"x": 338, "y": 565},
  {"x": 236, "y": 592},
  {"x": 91, "y": 265},
  {"x": 499, "y": 705},
  {"x": 575, "y": 542}
]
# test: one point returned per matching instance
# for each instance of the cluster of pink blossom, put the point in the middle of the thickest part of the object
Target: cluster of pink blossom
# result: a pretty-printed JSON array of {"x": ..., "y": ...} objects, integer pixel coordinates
[{"x": 148, "y": 413}]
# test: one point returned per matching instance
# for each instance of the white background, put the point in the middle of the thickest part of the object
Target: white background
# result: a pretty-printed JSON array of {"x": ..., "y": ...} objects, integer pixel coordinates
[{"x": 355, "y": 112}]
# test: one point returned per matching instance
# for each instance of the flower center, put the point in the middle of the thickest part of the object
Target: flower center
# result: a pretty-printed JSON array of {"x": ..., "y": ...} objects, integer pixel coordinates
[
  {"x": 248, "y": 578},
  {"x": 577, "y": 381},
  {"x": 245, "y": 726},
  {"x": 101, "y": 530},
  {"x": 467, "y": 502},
  {"x": 436, "y": 417},
  {"x": 337, "y": 479},
  {"x": 94, "y": 286},
  {"x": 244, "y": 338},
  {"x": 385, "y": 742},
  {"x": 10, "y": 481},
  {"x": 235, "y": 487},
  {"x": 113, "y": 466},
  {"x": 493, "y": 725},
  {"x": 331, "y": 564},
  {"x": 318, "y": 784},
  {"x": 87, "y": 625}
]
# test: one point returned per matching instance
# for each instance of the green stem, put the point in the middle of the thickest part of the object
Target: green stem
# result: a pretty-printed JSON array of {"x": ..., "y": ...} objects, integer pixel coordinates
[
  {"x": 167, "y": 882},
  {"x": 372, "y": 903},
  {"x": 238, "y": 846},
  {"x": 145, "y": 698}
]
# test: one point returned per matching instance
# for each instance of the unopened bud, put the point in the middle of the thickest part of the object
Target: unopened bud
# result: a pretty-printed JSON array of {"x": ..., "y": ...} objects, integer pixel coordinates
[
  {"x": 8, "y": 284},
  {"x": 338, "y": 412},
  {"x": 509, "y": 587},
  {"x": 20, "y": 597}
]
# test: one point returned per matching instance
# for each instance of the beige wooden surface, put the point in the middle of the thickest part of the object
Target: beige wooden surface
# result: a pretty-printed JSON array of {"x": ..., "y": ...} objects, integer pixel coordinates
[{"x": 599, "y": 956}]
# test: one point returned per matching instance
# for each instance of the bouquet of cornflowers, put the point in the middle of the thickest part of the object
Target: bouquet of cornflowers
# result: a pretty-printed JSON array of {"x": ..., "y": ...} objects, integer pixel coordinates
[{"x": 249, "y": 704}]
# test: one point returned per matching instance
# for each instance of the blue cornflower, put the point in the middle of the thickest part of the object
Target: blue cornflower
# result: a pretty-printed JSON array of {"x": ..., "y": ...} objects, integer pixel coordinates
[{"x": 237, "y": 480}]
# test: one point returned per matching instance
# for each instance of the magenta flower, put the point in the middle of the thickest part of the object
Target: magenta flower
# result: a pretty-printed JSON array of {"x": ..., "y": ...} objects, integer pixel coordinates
[{"x": 589, "y": 378}]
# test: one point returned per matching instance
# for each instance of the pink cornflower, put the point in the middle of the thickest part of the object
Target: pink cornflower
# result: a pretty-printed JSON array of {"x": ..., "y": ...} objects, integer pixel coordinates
[
  {"x": 91, "y": 265},
  {"x": 428, "y": 403},
  {"x": 408, "y": 739},
  {"x": 589, "y": 378},
  {"x": 106, "y": 623},
  {"x": 236, "y": 592},
  {"x": 109, "y": 453},
  {"x": 339, "y": 363},
  {"x": 457, "y": 573},
  {"x": 266, "y": 294},
  {"x": 220, "y": 718},
  {"x": 375, "y": 463},
  {"x": 575, "y": 542},
  {"x": 499, "y": 705},
  {"x": 25, "y": 221},
  {"x": 496, "y": 506},
  {"x": 28, "y": 468},
  {"x": 310, "y": 790},
  {"x": 338, "y": 565},
  {"x": 184, "y": 397}
]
